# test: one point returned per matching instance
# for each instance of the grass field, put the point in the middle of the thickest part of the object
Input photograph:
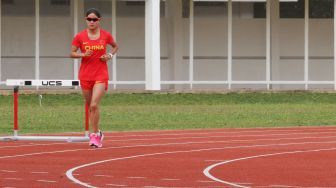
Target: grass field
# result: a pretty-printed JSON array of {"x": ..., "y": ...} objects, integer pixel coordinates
[{"x": 128, "y": 112}]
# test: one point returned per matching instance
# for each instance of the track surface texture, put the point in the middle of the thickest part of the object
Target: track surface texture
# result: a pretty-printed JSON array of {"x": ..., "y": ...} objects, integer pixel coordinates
[{"x": 262, "y": 157}]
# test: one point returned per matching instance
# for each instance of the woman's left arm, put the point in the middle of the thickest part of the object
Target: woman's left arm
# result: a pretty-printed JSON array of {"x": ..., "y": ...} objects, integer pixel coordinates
[
  {"x": 109, "y": 56},
  {"x": 115, "y": 48}
]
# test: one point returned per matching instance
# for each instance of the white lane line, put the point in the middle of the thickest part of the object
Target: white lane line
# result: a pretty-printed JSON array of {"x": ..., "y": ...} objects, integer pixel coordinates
[
  {"x": 18, "y": 179},
  {"x": 39, "y": 172},
  {"x": 214, "y": 160},
  {"x": 47, "y": 181},
  {"x": 170, "y": 179},
  {"x": 99, "y": 175},
  {"x": 240, "y": 183},
  {"x": 207, "y": 170},
  {"x": 8, "y": 171},
  {"x": 39, "y": 144},
  {"x": 41, "y": 153},
  {"x": 136, "y": 177},
  {"x": 116, "y": 185},
  {"x": 152, "y": 186},
  {"x": 205, "y": 181},
  {"x": 282, "y": 186},
  {"x": 70, "y": 171},
  {"x": 31, "y": 145}
]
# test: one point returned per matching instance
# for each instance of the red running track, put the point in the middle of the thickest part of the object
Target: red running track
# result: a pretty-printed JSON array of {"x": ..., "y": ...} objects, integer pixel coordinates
[{"x": 277, "y": 157}]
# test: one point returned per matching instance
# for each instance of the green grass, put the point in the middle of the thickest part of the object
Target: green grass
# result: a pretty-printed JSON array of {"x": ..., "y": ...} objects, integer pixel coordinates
[{"x": 125, "y": 112}]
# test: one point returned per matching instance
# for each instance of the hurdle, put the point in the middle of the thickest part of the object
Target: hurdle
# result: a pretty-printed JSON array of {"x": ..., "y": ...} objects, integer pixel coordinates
[{"x": 42, "y": 83}]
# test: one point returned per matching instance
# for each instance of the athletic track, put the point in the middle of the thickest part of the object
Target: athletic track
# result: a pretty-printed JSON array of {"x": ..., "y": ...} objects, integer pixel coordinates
[{"x": 278, "y": 157}]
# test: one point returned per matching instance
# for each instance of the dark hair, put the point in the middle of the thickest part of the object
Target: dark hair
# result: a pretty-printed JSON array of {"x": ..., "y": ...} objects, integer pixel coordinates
[{"x": 94, "y": 11}]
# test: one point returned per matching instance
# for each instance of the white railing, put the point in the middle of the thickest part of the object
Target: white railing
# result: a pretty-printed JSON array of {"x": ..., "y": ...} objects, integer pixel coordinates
[{"x": 28, "y": 82}]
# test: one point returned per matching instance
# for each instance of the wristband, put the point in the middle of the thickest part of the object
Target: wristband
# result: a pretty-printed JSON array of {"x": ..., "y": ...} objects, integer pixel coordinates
[{"x": 110, "y": 55}]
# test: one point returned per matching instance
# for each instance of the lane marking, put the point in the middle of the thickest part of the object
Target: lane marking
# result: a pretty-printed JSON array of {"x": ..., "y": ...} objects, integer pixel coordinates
[
  {"x": 240, "y": 183},
  {"x": 214, "y": 160},
  {"x": 206, "y": 181},
  {"x": 207, "y": 170},
  {"x": 98, "y": 175},
  {"x": 170, "y": 179},
  {"x": 70, "y": 171},
  {"x": 31, "y": 145},
  {"x": 116, "y": 185},
  {"x": 282, "y": 186},
  {"x": 136, "y": 177},
  {"x": 39, "y": 172},
  {"x": 9, "y": 171},
  {"x": 47, "y": 181},
  {"x": 18, "y": 179}
]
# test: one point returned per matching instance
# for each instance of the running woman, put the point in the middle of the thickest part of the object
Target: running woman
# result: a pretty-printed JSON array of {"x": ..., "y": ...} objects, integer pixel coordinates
[{"x": 93, "y": 72}]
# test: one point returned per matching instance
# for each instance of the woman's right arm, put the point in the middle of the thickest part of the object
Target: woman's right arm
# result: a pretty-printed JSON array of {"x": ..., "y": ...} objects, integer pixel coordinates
[{"x": 75, "y": 54}]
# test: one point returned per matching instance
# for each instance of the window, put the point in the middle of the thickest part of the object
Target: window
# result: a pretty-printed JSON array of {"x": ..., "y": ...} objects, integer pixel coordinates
[
  {"x": 59, "y": 8},
  {"x": 18, "y": 8},
  {"x": 136, "y": 8},
  {"x": 259, "y": 10},
  {"x": 60, "y": 2},
  {"x": 7, "y": 2},
  {"x": 321, "y": 9},
  {"x": 185, "y": 8},
  {"x": 292, "y": 9}
]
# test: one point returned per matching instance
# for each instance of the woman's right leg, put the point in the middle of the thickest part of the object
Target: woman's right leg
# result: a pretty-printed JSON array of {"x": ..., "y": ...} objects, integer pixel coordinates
[
  {"x": 97, "y": 94},
  {"x": 87, "y": 94}
]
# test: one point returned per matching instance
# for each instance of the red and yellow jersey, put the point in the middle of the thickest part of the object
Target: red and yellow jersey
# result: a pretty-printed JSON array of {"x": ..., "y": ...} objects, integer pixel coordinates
[{"x": 92, "y": 68}]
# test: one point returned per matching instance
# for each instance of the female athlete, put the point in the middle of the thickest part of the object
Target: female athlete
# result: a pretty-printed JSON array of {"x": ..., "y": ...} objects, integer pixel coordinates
[{"x": 93, "y": 72}]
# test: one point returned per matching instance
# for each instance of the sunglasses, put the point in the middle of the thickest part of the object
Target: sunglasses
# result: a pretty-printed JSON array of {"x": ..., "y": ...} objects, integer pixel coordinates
[{"x": 92, "y": 19}]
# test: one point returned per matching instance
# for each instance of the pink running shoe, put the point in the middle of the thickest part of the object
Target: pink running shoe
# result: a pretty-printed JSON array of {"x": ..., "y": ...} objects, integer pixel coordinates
[
  {"x": 92, "y": 137},
  {"x": 99, "y": 140}
]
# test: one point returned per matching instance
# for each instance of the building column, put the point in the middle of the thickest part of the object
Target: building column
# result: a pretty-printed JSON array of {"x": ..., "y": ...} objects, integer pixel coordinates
[
  {"x": 306, "y": 44},
  {"x": 37, "y": 39},
  {"x": 114, "y": 34},
  {"x": 334, "y": 45},
  {"x": 268, "y": 43},
  {"x": 77, "y": 9},
  {"x": 274, "y": 42},
  {"x": 174, "y": 39},
  {"x": 74, "y": 13},
  {"x": 152, "y": 37},
  {"x": 0, "y": 41},
  {"x": 229, "y": 52}
]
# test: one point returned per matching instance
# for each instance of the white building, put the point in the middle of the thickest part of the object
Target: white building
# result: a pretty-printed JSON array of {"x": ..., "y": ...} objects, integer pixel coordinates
[{"x": 222, "y": 45}]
